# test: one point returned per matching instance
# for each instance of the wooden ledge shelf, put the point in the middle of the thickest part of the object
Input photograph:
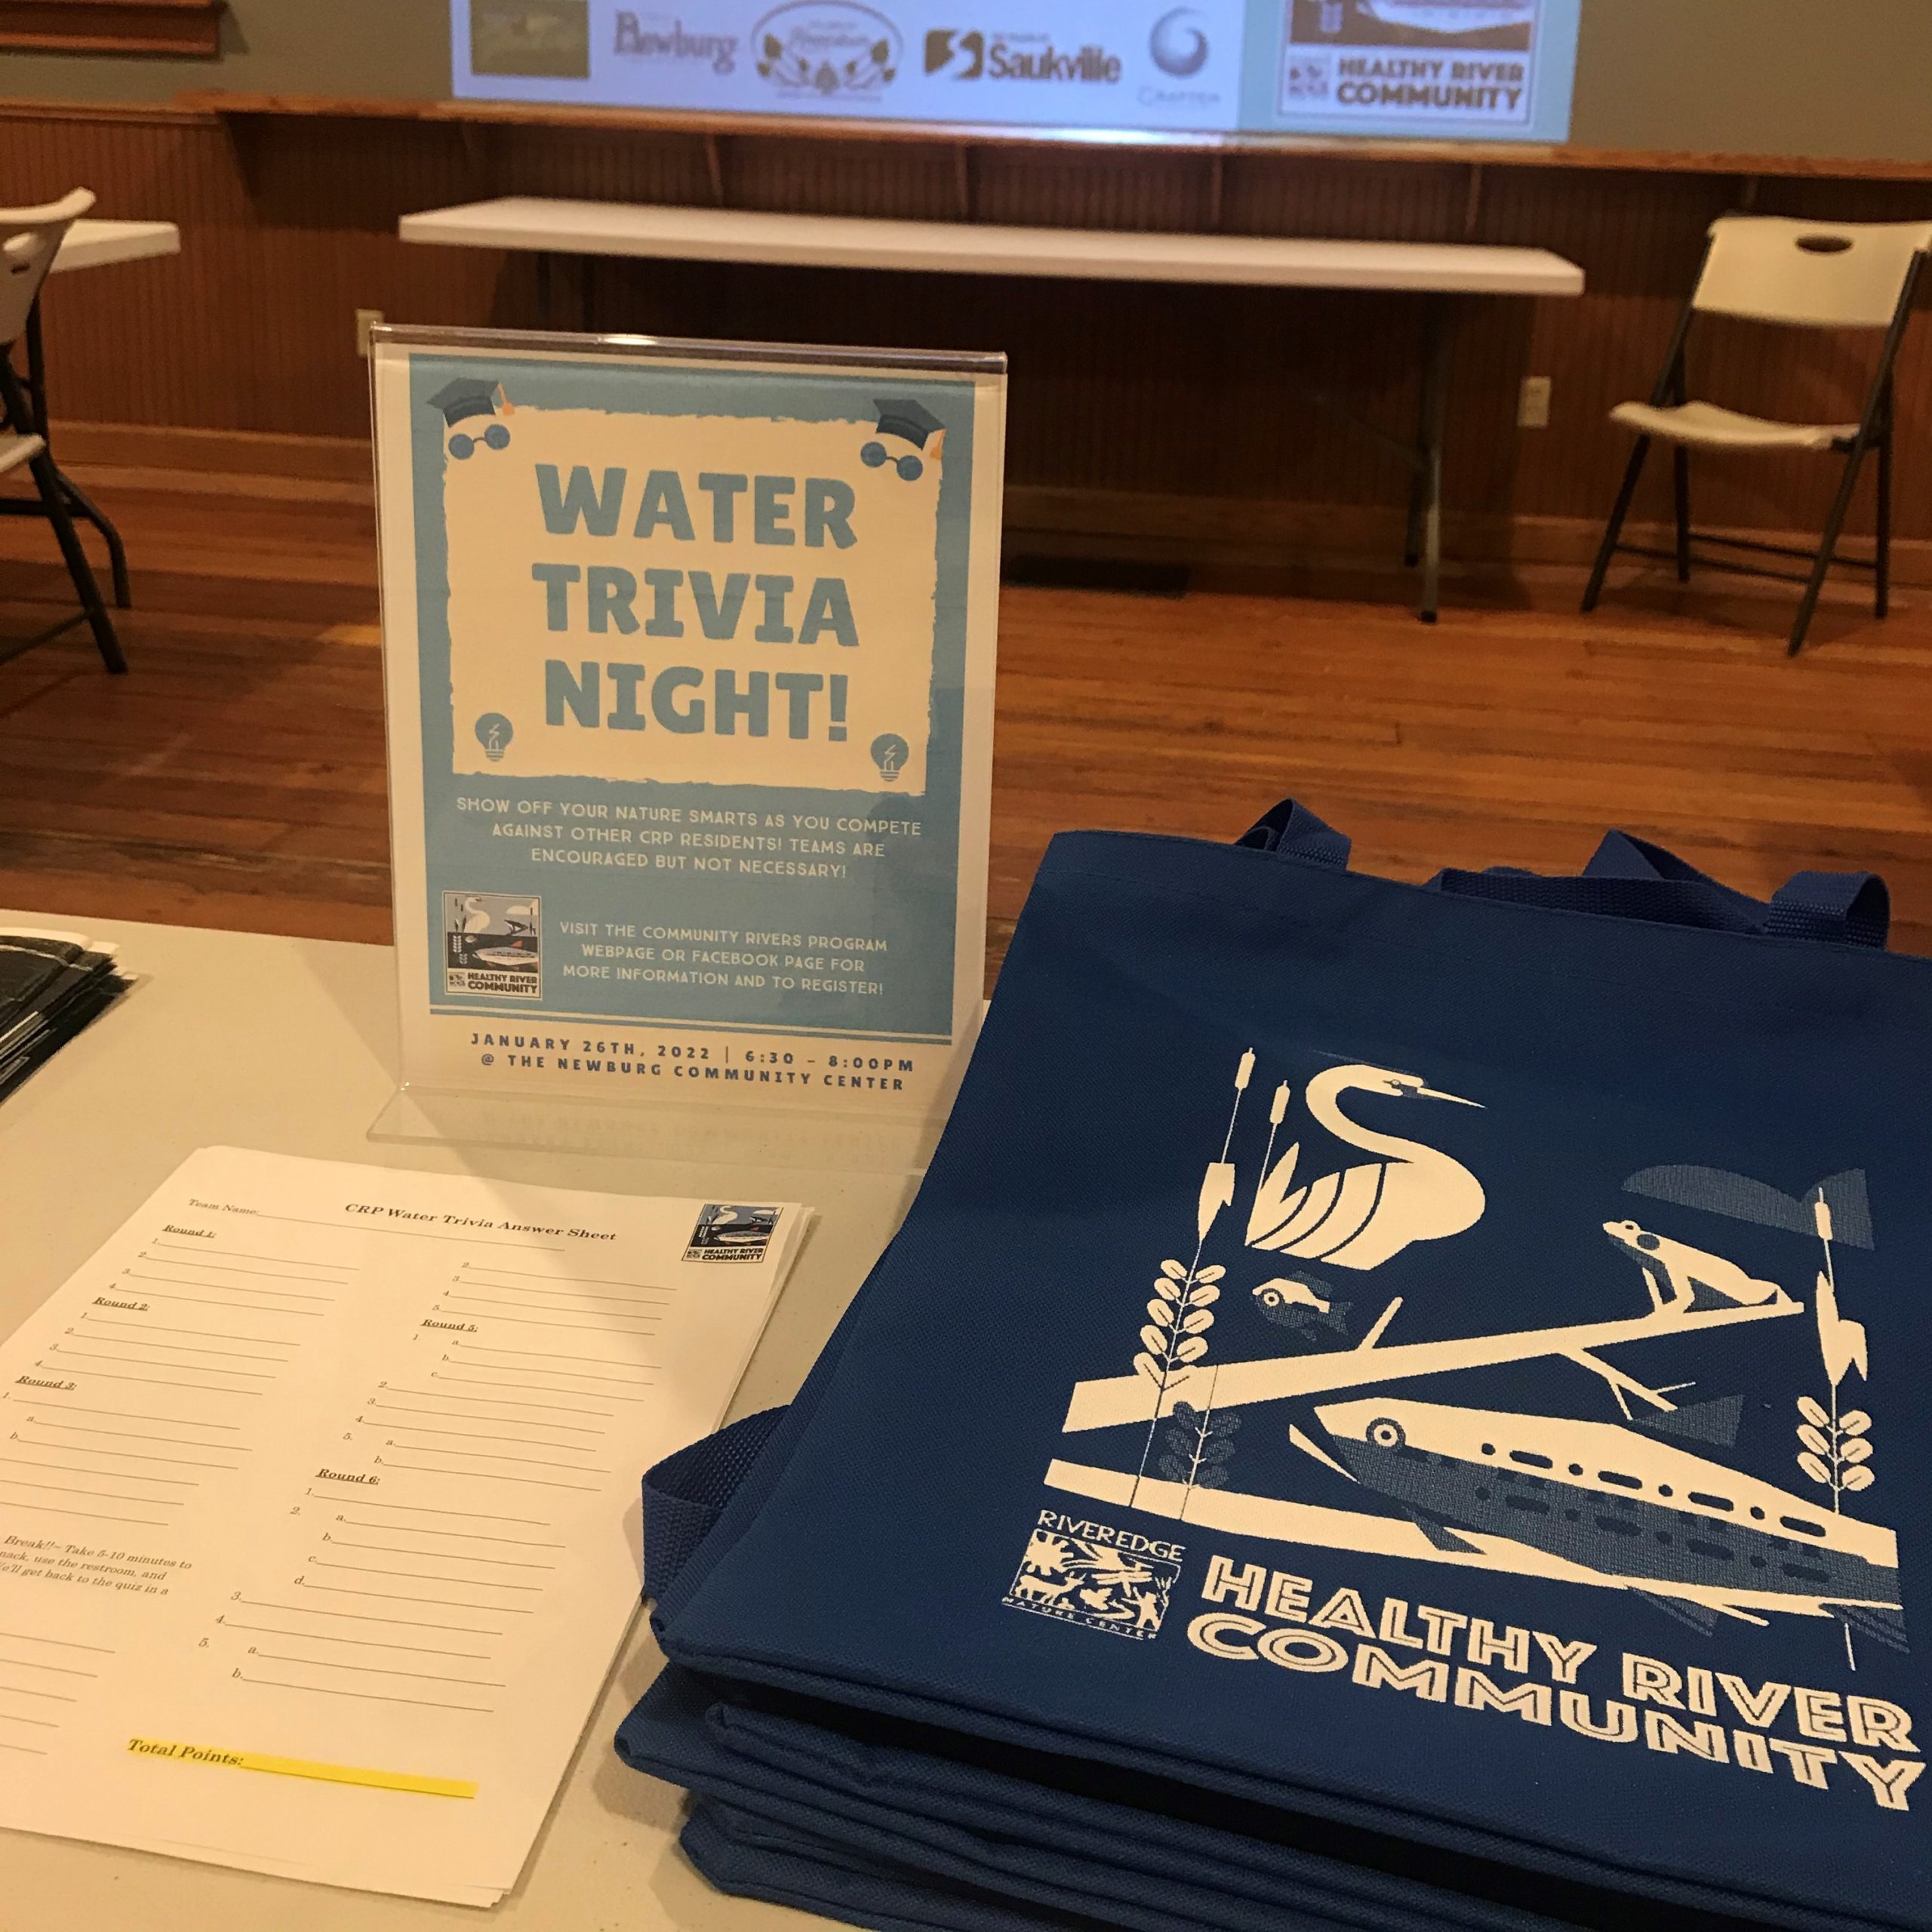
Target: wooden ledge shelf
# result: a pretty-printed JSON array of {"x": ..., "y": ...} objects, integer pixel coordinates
[
  {"x": 1503, "y": 154},
  {"x": 112, "y": 26}
]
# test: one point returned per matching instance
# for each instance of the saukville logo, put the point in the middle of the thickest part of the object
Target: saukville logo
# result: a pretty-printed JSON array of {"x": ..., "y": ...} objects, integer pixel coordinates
[
  {"x": 1614, "y": 1478},
  {"x": 1096, "y": 1575},
  {"x": 972, "y": 55}
]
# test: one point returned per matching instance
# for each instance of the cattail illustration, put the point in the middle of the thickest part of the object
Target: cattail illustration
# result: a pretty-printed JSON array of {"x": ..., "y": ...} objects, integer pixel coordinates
[
  {"x": 1834, "y": 1448},
  {"x": 1175, "y": 1337}
]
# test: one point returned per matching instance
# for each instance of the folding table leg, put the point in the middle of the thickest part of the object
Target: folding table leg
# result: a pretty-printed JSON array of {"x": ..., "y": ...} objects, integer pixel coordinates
[
  {"x": 1882, "y": 595},
  {"x": 1437, "y": 341},
  {"x": 1681, "y": 477},
  {"x": 48, "y": 479},
  {"x": 1418, "y": 476},
  {"x": 77, "y": 499}
]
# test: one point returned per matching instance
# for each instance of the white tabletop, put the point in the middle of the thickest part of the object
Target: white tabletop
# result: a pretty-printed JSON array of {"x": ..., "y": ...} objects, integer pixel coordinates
[
  {"x": 733, "y": 235},
  {"x": 95, "y": 244},
  {"x": 289, "y": 1045}
]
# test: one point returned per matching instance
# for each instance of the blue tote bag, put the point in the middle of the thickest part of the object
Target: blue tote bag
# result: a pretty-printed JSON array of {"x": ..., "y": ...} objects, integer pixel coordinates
[{"x": 1442, "y": 1363}]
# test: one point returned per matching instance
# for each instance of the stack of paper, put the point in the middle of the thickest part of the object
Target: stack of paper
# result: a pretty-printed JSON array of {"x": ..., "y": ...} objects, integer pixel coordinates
[
  {"x": 319, "y": 1507},
  {"x": 52, "y": 985}
]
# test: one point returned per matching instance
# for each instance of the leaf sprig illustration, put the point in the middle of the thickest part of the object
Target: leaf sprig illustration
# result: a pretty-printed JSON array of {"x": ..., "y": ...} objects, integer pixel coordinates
[
  {"x": 1178, "y": 1319},
  {"x": 1199, "y": 1445},
  {"x": 1834, "y": 1451}
]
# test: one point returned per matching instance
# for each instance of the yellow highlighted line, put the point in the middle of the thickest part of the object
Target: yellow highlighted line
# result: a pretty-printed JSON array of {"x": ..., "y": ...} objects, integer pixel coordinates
[{"x": 301, "y": 1767}]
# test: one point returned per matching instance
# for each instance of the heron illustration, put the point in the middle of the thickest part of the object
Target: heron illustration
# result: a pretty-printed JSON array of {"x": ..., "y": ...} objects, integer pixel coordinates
[{"x": 1360, "y": 1216}]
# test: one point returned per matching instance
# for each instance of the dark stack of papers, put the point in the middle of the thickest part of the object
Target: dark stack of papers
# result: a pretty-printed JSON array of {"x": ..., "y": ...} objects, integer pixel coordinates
[{"x": 53, "y": 985}]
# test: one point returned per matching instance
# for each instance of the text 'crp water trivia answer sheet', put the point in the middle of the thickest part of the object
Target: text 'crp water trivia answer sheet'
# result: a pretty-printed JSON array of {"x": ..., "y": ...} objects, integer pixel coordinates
[{"x": 319, "y": 1507}]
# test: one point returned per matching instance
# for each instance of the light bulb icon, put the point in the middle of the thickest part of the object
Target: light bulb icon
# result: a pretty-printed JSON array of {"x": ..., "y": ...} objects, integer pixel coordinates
[
  {"x": 889, "y": 753},
  {"x": 494, "y": 733}
]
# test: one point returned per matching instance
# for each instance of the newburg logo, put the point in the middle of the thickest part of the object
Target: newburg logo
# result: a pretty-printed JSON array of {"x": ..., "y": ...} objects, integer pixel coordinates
[
  {"x": 1093, "y": 1574},
  {"x": 655, "y": 37}
]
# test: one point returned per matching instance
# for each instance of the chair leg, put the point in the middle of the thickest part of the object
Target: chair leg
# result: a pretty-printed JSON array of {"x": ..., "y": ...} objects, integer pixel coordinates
[
  {"x": 47, "y": 480},
  {"x": 1614, "y": 530},
  {"x": 1680, "y": 468},
  {"x": 1881, "y": 595},
  {"x": 1827, "y": 550}
]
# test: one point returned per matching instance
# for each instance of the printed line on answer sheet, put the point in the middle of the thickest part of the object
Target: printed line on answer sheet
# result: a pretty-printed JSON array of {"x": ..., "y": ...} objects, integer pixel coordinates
[
  {"x": 89, "y": 1515},
  {"x": 134, "y": 1415},
  {"x": 182, "y": 1348},
  {"x": 471, "y": 1536},
  {"x": 480, "y": 1382},
  {"x": 548, "y": 1355},
  {"x": 441, "y": 1603},
  {"x": 369, "y": 1617},
  {"x": 459, "y": 1415},
  {"x": 80, "y": 1470},
  {"x": 377, "y": 1670},
  {"x": 491, "y": 1456},
  {"x": 485, "y": 1475},
  {"x": 206, "y": 1258},
  {"x": 507, "y": 1402},
  {"x": 531, "y": 1319},
  {"x": 429, "y": 1509},
  {"x": 124, "y": 1455},
  {"x": 476, "y": 1435},
  {"x": 135, "y": 1362},
  {"x": 365, "y": 1643},
  {"x": 100, "y": 1495},
  {"x": 151, "y": 1381},
  {"x": 242, "y": 1254},
  {"x": 230, "y": 1288},
  {"x": 239, "y": 1307},
  {"x": 441, "y": 1556},
  {"x": 166, "y": 1328},
  {"x": 429, "y": 1576},
  {"x": 372, "y": 1697}
]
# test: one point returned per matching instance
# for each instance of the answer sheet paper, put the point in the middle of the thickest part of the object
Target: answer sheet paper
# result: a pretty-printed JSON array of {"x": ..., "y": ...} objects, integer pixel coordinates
[{"x": 319, "y": 1515}]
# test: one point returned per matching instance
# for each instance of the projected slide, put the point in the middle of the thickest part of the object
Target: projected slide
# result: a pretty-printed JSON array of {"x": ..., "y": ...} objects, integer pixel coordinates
[{"x": 1425, "y": 70}]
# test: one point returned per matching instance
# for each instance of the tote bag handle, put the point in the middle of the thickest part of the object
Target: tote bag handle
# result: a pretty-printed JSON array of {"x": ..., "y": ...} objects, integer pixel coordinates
[
  {"x": 1629, "y": 877},
  {"x": 1294, "y": 829}
]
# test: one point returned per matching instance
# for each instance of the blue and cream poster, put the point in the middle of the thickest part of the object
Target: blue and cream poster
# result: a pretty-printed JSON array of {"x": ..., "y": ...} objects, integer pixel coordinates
[{"x": 690, "y": 655}]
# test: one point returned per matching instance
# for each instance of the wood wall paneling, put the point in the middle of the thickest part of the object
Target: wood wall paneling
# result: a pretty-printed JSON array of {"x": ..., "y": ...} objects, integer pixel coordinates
[{"x": 1152, "y": 392}]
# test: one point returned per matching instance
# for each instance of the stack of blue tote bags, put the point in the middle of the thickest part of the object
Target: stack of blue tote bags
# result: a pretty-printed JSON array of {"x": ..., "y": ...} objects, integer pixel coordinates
[{"x": 1395, "y": 1408}]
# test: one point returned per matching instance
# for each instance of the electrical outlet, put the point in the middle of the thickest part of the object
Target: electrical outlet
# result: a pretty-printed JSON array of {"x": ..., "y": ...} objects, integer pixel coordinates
[
  {"x": 1533, "y": 405},
  {"x": 365, "y": 320}
]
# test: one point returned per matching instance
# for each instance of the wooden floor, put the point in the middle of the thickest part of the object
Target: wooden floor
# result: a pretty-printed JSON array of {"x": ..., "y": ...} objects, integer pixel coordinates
[{"x": 236, "y": 778}]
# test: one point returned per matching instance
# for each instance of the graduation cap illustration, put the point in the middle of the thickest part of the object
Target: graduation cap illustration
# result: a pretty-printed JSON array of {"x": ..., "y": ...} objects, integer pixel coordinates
[
  {"x": 909, "y": 422},
  {"x": 464, "y": 399}
]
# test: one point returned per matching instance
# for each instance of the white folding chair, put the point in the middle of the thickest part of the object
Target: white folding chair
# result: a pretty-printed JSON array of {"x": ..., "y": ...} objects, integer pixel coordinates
[
  {"x": 1817, "y": 274},
  {"x": 30, "y": 239}
]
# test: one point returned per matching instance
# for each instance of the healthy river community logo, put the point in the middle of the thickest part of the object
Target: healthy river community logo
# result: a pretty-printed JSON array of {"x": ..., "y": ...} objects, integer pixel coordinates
[{"x": 1650, "y": 1495}]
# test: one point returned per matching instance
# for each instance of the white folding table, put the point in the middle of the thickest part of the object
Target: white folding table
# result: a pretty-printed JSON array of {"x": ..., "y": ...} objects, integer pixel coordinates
[
  {"x": 289, "y": 1045},
  {"x": 1439, "y": 273},
  {"x": 89, "y": 244}
]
